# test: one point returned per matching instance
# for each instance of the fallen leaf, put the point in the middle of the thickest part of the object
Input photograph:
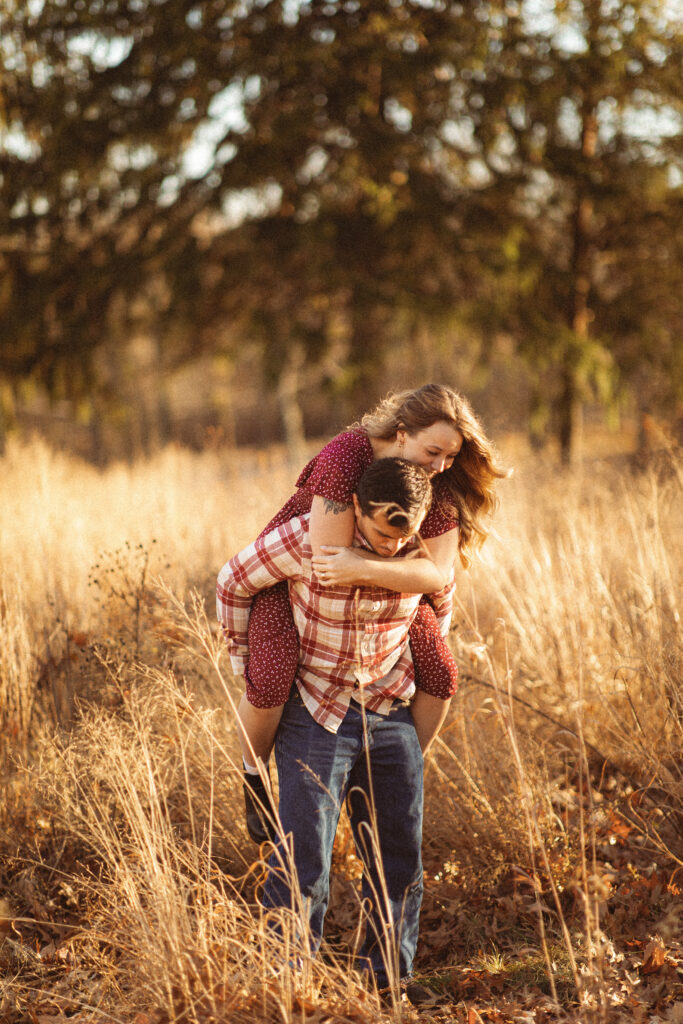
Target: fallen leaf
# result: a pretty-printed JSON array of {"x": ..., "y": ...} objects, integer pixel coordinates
[
  {"x": 78, "y": 638},
  {"x": 654, "y": 956},
  {"x": 306, "y": 1006},
  {"x": 6, "y": 914}
]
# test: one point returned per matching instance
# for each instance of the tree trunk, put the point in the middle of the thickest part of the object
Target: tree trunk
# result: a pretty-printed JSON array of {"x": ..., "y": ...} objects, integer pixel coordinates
[
  {"x": 580, "y": 315},
  {"x": 290, "y": 409},
  {"x": 222, "y": 399},
  {"x": 98, "y": 432},
  {"x": 148, "y": 395},
  {"x": 6, "y": 413},
  {"x": 570, "y": 430}
]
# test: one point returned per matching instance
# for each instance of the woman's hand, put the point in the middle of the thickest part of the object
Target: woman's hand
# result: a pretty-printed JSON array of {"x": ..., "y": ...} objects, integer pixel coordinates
[
  {"x": 425, "y": 573},
  {"x": 337, "y": 566}
]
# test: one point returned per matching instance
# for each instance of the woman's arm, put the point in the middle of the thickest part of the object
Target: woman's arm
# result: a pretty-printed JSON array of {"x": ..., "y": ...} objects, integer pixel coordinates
[
  {"x": 345, "y": 566},
  {"x": 332, "y": 523}
]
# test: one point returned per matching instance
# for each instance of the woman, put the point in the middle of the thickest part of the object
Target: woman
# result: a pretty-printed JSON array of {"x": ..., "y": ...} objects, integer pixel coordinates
[{"x": 434, "y": 427}]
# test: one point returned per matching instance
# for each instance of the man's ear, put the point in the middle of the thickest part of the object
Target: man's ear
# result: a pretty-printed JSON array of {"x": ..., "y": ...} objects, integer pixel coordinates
[{"x": 356, "y": 506}]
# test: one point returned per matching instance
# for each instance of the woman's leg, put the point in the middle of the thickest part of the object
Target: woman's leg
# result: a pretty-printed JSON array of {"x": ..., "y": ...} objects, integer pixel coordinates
[
  {"x": 428, "y": 715},
  {"x": 436, "y": 674},
  {"x": 273, "y": 648},
  {"x": 273, "y": 658},
  {"x": 256, "y": 729}
]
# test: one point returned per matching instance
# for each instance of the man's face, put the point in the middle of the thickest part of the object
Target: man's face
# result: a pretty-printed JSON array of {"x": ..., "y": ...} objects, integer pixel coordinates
[{"x": 383, "y": 538}]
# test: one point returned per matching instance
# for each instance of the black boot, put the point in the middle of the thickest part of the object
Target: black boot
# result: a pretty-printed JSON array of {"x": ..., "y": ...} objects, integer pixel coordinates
[{"x": 258, "y": 809}]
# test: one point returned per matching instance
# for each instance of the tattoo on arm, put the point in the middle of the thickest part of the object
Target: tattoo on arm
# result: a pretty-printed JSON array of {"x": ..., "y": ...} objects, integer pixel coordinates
[{"x": 336, "y": 507}]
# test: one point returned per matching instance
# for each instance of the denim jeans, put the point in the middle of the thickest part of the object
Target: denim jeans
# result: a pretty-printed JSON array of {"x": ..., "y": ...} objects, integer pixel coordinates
[{"x": 317, "y": 770}]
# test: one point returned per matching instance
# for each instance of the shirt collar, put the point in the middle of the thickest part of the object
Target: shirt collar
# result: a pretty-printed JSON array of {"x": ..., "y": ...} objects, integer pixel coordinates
[{"x": 359, "y": 540}]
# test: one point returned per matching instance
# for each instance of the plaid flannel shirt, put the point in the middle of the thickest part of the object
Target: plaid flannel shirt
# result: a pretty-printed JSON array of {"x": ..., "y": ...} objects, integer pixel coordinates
[{"x": 353, "y": 640}]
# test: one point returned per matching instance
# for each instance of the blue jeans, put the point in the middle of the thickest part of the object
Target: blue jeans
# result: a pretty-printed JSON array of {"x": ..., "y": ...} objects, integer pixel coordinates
[{"x": 317, "y": 770}]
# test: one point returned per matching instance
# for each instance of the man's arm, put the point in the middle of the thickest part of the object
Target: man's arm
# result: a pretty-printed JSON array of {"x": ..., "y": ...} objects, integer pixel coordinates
[{"x": 267, "y": 561}]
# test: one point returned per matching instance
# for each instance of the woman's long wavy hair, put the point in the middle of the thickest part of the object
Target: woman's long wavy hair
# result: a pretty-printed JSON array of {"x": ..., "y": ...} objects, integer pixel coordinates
[{"x": 470, "y": 480}]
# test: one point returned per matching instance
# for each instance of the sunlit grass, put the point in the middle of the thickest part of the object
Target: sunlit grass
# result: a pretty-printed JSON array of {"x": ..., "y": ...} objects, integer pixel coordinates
[{"x": 125, "y": 855}]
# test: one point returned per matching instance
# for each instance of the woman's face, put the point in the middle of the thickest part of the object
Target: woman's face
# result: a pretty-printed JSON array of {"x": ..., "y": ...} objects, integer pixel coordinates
[{"x": 433, "y": 448}]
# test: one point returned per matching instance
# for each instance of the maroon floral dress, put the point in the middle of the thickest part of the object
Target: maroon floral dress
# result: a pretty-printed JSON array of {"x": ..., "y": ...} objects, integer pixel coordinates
[{"x": 273, "y": 640}]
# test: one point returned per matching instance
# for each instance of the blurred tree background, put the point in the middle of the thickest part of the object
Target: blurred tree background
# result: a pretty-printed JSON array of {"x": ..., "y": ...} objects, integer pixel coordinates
[{"x": 257, "y": 216}]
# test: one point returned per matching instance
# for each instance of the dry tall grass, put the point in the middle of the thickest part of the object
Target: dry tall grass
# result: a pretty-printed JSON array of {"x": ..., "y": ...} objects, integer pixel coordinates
[{"x": 554, "y": 797}]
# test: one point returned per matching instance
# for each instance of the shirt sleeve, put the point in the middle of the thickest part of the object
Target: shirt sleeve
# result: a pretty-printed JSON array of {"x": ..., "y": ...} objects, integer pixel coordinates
[
  {"x": 335, "y": 471},
  {"x": 270, "y": 559}
]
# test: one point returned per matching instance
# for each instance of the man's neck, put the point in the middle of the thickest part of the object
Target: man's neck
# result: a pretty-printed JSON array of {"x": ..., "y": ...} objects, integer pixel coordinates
[{"x": 359, "y": 541}]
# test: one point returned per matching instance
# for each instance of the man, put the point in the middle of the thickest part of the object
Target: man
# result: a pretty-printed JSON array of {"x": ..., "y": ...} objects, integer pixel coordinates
[{"x": 346, "y": 730}]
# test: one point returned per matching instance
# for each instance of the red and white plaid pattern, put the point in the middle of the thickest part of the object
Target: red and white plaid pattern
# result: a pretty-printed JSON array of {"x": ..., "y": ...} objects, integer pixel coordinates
[{"x": 353, "y": 640}]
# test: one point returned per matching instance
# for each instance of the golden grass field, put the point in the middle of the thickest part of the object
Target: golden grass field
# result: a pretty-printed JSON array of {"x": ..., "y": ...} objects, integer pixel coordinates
[{"x": 554, "y": 809}]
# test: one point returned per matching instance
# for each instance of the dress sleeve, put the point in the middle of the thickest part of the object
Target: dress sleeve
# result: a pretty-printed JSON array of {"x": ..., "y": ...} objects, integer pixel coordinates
[
  {"x": 441, "y": 517},
  {"x": 335, "y": 471}
]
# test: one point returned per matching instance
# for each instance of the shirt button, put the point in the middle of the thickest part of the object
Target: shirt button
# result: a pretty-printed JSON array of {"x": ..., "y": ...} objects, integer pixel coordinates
[{"x": 376, "y": 606}]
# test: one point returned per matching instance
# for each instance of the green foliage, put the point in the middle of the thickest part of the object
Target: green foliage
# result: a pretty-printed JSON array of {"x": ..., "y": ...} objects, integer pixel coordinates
[{"x": 300, "y": 173}]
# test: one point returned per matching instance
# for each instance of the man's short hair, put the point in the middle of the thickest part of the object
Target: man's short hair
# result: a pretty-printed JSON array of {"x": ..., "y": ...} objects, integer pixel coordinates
[{"x": 399, "y": 488}]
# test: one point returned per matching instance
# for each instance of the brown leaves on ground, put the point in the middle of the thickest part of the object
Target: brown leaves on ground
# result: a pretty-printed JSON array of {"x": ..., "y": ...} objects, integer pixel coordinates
[{"x": 481, "y": 945}]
